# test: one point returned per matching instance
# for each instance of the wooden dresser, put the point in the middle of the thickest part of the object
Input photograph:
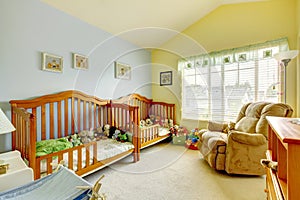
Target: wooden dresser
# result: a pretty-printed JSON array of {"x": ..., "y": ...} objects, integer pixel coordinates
[{"x": 284, "y": 147}]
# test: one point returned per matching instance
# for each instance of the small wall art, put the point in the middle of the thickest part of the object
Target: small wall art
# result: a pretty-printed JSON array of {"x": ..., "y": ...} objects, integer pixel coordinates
[
  {"x": 166, "y": 78},
  {"x": 122, "y": 71},
  {"x": 51, "y": 62},
  {"x": 80, "y": 61}
]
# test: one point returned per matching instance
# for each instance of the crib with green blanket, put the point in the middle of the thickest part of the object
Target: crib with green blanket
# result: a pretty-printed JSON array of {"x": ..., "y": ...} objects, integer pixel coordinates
[{"x": 57, "y": 118}]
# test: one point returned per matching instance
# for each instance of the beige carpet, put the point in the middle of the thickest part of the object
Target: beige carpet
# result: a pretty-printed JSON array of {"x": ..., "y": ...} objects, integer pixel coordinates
[{"x": 168, "y": 171}]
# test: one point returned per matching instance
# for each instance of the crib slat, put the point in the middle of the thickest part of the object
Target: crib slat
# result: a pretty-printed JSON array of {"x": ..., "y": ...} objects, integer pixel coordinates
[
  {"x": 78, "y": 115},
  {"x": 59, "y": 119},
  {"x": 51, "y": 121},
  {"x": 70, "y": 160},
  {"x": 43, "y": 122},
  {"x": 66, "y": 116}
]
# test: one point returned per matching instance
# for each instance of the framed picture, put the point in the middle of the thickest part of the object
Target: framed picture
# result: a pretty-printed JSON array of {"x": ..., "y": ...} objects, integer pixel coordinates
[
  {"x": 122, "y": 71},
  {"x": 80, "y": 61},
  {"x": 166, "y": 78},
  {"x": 52, "y": 62}
]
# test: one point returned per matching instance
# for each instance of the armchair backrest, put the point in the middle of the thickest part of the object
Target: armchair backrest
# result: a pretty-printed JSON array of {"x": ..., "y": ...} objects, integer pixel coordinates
[{"x": 252, "y": 116}]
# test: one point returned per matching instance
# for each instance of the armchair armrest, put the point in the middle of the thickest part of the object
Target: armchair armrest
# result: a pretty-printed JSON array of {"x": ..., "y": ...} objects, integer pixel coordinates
[
  {"x": 254, "y": 139},
  {"x": 244, "y": 152}
]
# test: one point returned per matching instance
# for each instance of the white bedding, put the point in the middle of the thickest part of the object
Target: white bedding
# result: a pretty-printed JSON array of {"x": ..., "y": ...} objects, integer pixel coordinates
[{"x": 163, "y": 131}]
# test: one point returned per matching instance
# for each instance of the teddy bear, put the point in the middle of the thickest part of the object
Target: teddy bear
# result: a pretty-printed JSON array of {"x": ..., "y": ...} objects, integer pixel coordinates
[
  {"x": 99, "y": 134},
  {"x": 86, "y": 136},
  {"x": 229, "y": 127},
  {"x": 105, "y": 129}
]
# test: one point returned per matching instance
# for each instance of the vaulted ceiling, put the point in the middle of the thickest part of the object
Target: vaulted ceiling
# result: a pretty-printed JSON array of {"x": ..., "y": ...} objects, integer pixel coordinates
[{"x": 146, "y": 23}]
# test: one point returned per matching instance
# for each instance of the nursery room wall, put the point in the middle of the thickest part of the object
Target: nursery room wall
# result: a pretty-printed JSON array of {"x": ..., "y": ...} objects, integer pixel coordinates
[
  {"x": 230, "y": 26},
  {"x": 31, "y": 27}
]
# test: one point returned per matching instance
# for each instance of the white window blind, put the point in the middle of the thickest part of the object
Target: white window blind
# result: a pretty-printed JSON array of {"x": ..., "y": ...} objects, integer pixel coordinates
[{"x": 217, "y": 84}]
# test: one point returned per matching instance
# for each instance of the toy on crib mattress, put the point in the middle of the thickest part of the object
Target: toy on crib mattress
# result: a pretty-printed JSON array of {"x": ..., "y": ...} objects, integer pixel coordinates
[
  {"x": 105, "y": 129},
  {"x": 142, "y": 123},
  {"x": 86, "y": 136},
  {"x": 120, "y": 135},
  {"x": 148, "y": 122},
  {"x": 99, "y": 134}
]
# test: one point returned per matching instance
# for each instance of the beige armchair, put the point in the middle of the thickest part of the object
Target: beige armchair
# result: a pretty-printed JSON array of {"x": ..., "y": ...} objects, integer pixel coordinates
[{"x": 238, "y": 147}]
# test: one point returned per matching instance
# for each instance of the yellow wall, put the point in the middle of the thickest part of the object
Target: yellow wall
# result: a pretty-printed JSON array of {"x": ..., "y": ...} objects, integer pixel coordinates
[{"x": 227, "y": 27}]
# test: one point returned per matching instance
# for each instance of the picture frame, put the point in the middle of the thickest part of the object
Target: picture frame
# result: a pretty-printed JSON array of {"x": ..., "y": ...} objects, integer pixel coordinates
[
  {"x": 122, "y": 71},
  {"x": 166, "y": 78},
  {"x": 80, "y": 61},
  {"x": 52, "y": 63}
]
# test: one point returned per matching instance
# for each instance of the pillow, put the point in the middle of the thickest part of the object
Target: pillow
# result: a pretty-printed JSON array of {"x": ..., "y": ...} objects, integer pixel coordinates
[
  {"x": 216, "y": 126},
  {"x": 246, "y": 124}
]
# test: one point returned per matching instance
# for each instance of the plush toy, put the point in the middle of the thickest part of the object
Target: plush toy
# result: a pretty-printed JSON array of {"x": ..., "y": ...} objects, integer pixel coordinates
[
  {"x": 105, "y": 129},
  {"x": 86, "y": 136},
  {"x": 229, "y": 127},
  {"x": 100, "y": 136},
  {"x": 269, "y": 164},
  {"x": 75, "y": 139},
  {"x": 122, "y": 136},
  {"x": 115, "y": 135},
  {"x": 152, "y": 118},
  {"x": 142, "y": 123},
  {"x": 148, "y": 122},
  {"x": 165, "y": 123},
  {"x": 112, "y": 130}
]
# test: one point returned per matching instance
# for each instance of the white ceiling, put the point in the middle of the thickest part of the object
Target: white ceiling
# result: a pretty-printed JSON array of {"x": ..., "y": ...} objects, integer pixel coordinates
[{"x": 146, "y": 23}]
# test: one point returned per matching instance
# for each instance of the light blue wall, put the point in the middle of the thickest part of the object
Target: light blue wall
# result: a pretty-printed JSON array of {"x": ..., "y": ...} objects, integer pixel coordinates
[{"x": 31, "y": 27}]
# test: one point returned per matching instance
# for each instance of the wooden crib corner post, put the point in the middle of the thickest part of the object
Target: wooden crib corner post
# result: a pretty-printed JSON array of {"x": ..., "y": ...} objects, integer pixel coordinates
[
  {"x": 136, "y": 134},
  {"x": 13, "y": 121},
  {"x": 32, "y": 146}
]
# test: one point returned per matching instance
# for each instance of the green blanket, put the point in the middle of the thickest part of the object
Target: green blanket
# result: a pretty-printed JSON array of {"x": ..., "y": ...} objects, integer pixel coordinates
[{"x": 45, "y": 147}]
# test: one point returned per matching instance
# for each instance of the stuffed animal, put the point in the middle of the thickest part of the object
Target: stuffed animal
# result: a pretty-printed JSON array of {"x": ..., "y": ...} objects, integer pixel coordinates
[
  {"x": 75, "y": 139},
  {"x": 122, "y": 136},
  {"x": 165, "y": 123},
  {"x": 86, "y": 136},
  {"x": 112, "y": 130},
  {"x": 148, "y": 122},
  {"x": 269, "y": 164},
  {"x": 100, "y": 136},
  {"x": 229, "y": 127},
  {"x": 105, "y": 129},
  {"x": 152, "y": 118},
  {"x": 116, "y": 133},
  {"x": 142, "y": 123}
]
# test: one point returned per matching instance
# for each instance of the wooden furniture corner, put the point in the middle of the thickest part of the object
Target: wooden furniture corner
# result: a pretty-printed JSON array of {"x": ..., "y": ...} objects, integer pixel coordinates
[{"x": 283, "y": 148}]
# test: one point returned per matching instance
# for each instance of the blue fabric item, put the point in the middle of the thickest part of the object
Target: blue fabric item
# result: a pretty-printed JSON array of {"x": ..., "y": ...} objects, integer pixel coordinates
[{"x": 59, "y": 185}]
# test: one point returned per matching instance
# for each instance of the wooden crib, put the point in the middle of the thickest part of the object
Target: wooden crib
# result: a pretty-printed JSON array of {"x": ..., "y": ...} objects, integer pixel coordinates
[
  {"x": 150, "y": 135},
  {"x": 62, "y": 114}
]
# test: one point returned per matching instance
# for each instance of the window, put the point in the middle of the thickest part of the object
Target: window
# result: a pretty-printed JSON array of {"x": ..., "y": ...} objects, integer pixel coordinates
[{"x": 217, "y": 84}]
